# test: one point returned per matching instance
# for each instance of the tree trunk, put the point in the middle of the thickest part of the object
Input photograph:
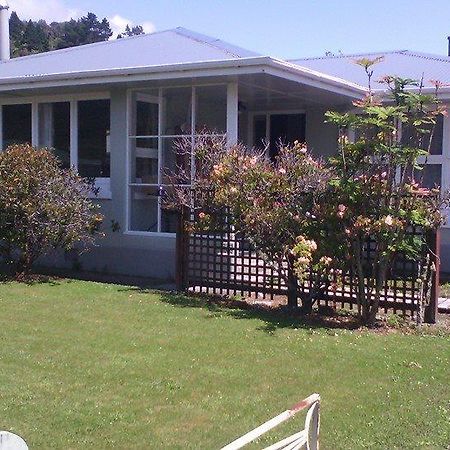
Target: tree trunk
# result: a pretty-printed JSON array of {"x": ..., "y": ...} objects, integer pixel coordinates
[{"x": 292, "y": 286}]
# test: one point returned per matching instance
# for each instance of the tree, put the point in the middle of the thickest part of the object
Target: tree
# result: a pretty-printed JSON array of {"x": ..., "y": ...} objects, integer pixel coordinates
[
  {"x": 42, "y": 207},
  {"x": 16, "y": 29},
  {"x": 34, "y": 39},
  {"x": 37, "y": 37},
  {"x": 377, "y": 191},
  {"x": 95, "y": 30},
  {"x": 134, "y": 31}
]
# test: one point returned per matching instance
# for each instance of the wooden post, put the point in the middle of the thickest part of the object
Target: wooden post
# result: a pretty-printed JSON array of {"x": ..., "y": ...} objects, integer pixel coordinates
[
  {"x": 432, "y": 309},
  {"x": 181, "y": 248}
]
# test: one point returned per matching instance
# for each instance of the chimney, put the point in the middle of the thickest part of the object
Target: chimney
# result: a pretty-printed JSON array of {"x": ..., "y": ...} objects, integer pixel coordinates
[{"x": 5, "y": 46}]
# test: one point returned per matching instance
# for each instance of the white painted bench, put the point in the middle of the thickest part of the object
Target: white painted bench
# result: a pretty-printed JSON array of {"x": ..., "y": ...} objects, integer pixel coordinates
[
  {"x": 10, "y": 441},
  {"x": 308, "y": 438}
]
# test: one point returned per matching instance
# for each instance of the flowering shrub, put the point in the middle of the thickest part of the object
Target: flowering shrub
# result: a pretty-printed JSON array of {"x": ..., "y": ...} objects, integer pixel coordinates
[
  {"x": 42, "y": 207},
  {"x": 376, "y": 191},
  {"x": 313, "y": 218}
]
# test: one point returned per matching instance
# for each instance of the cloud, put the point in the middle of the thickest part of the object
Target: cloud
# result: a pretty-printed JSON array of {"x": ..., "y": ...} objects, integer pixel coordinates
[
  {"x": 50, "y": 10},
  {"x": 118, "y": 24}
]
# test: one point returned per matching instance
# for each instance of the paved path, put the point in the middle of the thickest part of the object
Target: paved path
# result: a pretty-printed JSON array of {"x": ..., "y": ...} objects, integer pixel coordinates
[{"x": 444, "y": 305}]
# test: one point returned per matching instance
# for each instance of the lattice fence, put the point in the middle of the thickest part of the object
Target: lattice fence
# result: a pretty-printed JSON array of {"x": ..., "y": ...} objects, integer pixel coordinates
[{"x": 222, "y": 262}]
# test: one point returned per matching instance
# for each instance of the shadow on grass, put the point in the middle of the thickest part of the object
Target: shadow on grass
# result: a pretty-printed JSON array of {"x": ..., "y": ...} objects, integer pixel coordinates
[{"x": 272, "y": 318}]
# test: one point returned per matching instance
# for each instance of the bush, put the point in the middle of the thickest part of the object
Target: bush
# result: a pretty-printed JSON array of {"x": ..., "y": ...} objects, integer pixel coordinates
[{"x": 42, "y": 207}]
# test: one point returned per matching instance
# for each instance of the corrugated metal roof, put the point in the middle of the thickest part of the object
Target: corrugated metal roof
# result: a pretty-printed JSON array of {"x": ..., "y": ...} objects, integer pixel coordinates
[
  {"x": 175, "y": 46},
  {"x": 402, "y": 63}
]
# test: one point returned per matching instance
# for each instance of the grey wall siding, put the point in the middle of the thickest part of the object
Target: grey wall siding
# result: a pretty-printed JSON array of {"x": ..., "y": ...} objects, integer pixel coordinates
[{"x": 320, "y": 136}]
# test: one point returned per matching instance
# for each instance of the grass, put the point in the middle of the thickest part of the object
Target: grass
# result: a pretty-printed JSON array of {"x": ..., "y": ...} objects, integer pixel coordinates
[
  {"x": 92, "y": 365},
  {"x": 445, "y": 290}
]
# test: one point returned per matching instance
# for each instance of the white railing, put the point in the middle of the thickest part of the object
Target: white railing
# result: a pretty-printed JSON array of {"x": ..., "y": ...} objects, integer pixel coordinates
[{"x": 308, "y": 438}]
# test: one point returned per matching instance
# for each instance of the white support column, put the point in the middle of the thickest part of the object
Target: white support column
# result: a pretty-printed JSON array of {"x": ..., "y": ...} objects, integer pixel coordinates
[
  {"x": 35, "y": 124},
  {"x": 232, "y": 113},
  {"x": 74, "y": 134}
]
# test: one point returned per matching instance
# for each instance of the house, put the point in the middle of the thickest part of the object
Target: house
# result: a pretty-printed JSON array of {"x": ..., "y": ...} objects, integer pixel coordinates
[{"x": 113, "y": 111}]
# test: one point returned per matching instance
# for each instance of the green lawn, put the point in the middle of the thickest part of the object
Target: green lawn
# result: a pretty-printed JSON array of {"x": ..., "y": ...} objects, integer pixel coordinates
[{"x": 93, "y": 365}]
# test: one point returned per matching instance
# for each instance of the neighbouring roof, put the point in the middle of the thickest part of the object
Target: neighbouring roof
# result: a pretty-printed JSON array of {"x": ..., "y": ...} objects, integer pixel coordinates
[
  {"x": 402, "y": 63},
  {"x": 175, "y": 46}
]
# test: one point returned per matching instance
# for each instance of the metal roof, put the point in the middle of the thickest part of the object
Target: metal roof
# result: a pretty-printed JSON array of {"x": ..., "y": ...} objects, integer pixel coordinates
[
  {"x": 402, "y": 63},
  {"x": 180, "y": 49},
  {"x": 175, "y": 46}
]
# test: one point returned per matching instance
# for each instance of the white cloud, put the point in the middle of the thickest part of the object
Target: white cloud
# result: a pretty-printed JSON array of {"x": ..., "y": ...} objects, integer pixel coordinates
[
  {"x": 118, "y": 24},
  {"x": 50, "y": 10}
]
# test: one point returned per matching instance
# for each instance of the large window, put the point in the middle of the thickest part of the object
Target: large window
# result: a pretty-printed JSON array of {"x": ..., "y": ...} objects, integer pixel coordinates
[
  {"x": 77, "y": 131},
  {"x": 16, "y": 124},
  {"x": 159, "y": 119}
]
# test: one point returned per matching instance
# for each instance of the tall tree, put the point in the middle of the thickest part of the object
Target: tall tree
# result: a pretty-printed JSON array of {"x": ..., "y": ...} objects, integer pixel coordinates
[
  {"x": 94, "y": 30},
  {"x": 34, "y": 39},
  {"x": 134, "y": 31},
  {"x": 16, "y": 30}
]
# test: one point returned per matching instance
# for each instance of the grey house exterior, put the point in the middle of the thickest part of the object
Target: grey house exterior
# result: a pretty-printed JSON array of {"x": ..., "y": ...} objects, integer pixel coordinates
[{"x": 113, "y": 111}]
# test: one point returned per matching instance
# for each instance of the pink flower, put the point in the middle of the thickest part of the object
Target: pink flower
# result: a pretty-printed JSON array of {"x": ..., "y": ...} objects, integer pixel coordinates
[
  {"x": 282, "y": 170},
  {"x": 201, "y": 215},
  {"x": 341, "y": 210},
  {"x": 388, "y": 220}
]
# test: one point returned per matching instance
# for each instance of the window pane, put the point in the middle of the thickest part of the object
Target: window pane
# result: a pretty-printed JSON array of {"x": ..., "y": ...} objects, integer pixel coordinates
[
  {"x": 144, "y": 209},
  {"x": 169, "y": 221},
  {"x": 144, "y": 160},
  {"x": 54, "y": 130},
  {"x": 211, "y": 111},
  {"x": 176, "y": 157},
  {"x": 177, "y": 106},
  {"x": 260, "y": 131},
  {"x": 286, "y": 129},
  {"x": 16, "y": 124},
  {"x": 147, "y": 115},
  {"x": 430, "y": 175},
  {"x": 436, "y": 141},
  {"x": 93, "y": 138},
  {"x": 410, "y": 139}
]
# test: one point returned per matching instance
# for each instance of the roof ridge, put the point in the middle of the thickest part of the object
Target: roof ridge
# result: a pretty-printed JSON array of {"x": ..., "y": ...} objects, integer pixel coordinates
[
  {"x": 190, "y": 35},
  {"x": 349, "y": 55},
  {"x": 429, "y": 56},
  {"x": 80, "y": 47}
]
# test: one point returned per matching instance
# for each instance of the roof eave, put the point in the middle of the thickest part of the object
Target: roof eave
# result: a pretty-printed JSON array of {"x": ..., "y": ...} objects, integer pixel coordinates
[{"x": 259, "y": 64}]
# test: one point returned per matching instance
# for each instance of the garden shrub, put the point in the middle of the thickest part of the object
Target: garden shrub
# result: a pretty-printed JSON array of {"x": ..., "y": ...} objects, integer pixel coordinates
[{"x": 42, "y": 207}]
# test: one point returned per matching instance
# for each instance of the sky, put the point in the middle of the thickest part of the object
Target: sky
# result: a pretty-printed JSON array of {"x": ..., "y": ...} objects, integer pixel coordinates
[{"x": 279, "y": 28}]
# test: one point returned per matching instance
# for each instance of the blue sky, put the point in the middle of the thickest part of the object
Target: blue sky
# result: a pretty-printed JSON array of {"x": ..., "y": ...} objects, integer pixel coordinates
[{"x": 282, "y": 28}]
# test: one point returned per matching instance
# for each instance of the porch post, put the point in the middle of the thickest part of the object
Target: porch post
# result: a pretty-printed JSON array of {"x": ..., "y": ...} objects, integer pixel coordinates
[{"x": 232, "y": 113}]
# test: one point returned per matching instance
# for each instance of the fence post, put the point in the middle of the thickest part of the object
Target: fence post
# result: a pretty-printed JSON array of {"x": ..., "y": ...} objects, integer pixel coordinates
[
  {"x": 181, "y": 257},
  {"x": 432, "y": 309}
]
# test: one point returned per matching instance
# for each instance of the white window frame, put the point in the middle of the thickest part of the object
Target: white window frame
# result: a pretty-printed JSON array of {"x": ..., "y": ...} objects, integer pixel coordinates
[
  {"x": 231, "y": 125},
  {"x": 102, "y": 183}
]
